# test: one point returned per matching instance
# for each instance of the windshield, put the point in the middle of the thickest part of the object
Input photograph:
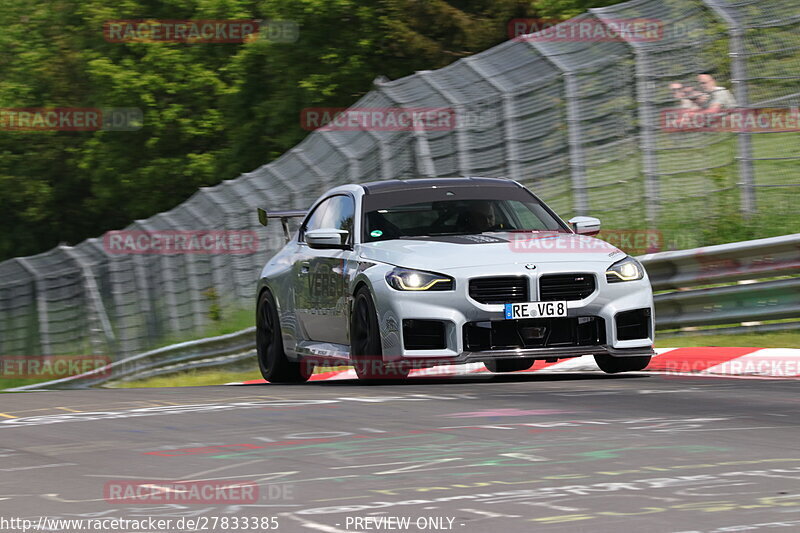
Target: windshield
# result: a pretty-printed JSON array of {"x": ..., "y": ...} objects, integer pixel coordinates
[{"x": 457, "y": 217}]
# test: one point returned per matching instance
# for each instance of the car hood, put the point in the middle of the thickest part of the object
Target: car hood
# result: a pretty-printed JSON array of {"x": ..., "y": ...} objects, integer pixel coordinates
[{"x": 458, "y": 251}]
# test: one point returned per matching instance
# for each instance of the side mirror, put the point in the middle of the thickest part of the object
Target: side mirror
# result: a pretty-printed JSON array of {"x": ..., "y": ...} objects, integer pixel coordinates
[
  {"x": 585, "y": 225},
  {"x": 327, "y": 238},
  {"x": 262, "y": 217}
]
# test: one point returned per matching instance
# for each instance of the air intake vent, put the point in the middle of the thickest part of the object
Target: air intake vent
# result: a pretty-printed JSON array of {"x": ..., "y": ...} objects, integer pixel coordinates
[
  {"x": 424, "y": 335},
  {"x": 565, "y": 287},
  {"x": 633, "y": 325},
  {"x": 505, "y": 290}
]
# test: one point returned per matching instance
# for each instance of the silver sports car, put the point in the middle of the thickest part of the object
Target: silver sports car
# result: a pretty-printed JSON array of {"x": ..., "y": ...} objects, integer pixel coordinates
[{"x": 394, "y": 275}]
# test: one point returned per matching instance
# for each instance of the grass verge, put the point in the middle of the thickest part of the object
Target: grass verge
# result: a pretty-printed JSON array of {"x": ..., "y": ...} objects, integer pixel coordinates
[
  {"x": 776, "y": 339},
  {"x": 192, "y": 378}
]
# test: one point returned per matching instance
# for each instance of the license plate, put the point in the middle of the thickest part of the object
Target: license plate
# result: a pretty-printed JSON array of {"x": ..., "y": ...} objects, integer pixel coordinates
[{"x": 535, "y": 310}]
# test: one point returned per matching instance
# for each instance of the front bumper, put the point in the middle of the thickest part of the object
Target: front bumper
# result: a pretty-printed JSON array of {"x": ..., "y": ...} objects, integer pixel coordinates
[
  {"x": 455, "y": 309},
  {"x": 552, "y": 353}
]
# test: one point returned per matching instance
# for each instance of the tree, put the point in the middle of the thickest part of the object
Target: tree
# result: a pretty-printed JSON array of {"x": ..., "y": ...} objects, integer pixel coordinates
[{"x": 211, "y": 110}]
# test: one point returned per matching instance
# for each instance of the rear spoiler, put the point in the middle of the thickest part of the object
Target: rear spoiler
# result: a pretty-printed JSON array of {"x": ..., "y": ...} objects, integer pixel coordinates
[{"x": 264, "y": 216}]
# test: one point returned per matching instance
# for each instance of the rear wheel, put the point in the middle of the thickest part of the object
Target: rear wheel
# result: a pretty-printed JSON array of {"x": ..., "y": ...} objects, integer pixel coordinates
[
  {"x": 614, "y": 365},
  {"x": 508, "y": 365},
  {"x": 272, "y": 361},
  {"x": 365, "y": 342}
]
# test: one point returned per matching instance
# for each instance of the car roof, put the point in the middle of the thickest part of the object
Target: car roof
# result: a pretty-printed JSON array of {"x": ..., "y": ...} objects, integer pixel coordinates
[{"x": 378, "y": 187}]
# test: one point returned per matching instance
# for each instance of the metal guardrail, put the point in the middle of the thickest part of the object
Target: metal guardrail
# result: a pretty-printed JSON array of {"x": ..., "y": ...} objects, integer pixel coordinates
[
  {"x": 771, "y": 257},
  {"x": 215, "y": 351},
  {"x": 689, "y": 273},
  {"x": 681, "y": 270},
  {"x": 771, "y": 300}
]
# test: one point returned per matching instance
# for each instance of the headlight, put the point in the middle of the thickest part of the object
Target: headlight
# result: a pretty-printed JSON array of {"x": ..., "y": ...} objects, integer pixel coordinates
[
  {"x": 629, "y": 269},
  {"x": 404, "y": 279}
]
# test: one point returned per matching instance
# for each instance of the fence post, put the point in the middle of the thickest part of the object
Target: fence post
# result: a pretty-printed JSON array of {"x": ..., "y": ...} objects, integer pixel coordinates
[
  {"x": 238, "y": 269},
  {"x": 647, "y": 112},
  {"x": 170, "y": 294},
  {"x": 223, "y": 278},
  {"x": 293, "y": 193},
  {"x": 745, "y": 157},
  {"x": 383, "y": 146},
  {"x": 195, "y": 294},
  {"x": 386, "y": 154},
  {"x": 739, "y": 81},
  {"x": 513, "y": 170},
  {"x": 462, "y": 155},
  {"x": 577, "y": 159},
  {"x": 41, "y": 305},
  {"x": 323, "y": 178},
  {"x": 645, "y": 96},
  {"x": 424, "y": 160},
  {"x": 353, "y": 164},
  {"x": 96, "y": 307}
]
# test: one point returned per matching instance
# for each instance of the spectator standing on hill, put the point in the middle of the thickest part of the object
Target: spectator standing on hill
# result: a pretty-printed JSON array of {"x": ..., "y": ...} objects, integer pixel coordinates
[
  {"x": 719, "y": 98},
  {"x": 681, "y": 93}
]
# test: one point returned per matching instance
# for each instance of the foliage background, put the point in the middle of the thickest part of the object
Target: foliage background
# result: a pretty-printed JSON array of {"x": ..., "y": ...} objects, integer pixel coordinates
[{"x": 212, "y": 111}]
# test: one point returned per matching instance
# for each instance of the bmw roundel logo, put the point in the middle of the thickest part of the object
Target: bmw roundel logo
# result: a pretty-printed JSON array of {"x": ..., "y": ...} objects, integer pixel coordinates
[{"x": 530, "y": 266}]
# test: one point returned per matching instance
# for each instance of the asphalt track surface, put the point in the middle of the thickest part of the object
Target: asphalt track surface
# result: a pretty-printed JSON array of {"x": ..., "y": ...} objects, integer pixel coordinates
[{"x": 484, "y": 453}]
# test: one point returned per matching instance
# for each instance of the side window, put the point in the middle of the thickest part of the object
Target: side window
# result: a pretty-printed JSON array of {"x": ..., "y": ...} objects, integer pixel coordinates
[
  {"x": 317, "y": 218},
  {"x": 340, "y": 214}
]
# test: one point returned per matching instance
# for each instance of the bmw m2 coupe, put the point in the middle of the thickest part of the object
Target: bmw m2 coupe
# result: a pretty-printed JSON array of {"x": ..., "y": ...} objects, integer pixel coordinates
[{"x": 393, "y": 275}]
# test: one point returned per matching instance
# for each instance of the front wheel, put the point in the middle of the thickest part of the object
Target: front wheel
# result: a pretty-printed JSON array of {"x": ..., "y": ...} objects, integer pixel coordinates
[
  {"x": 272, "y": 361},
  {"x": 614, "y": 365},
  {"x": 508, "y": 365},
  {"x": 365, "y": 342}
]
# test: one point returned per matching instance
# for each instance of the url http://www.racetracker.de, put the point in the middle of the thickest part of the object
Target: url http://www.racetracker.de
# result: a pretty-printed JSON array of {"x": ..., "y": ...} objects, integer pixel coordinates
[
  {"x": 215, "y": 523},
  {"x": 199, "y": 523}
]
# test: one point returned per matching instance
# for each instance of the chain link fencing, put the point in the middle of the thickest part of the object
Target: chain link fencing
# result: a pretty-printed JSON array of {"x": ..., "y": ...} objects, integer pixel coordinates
[{"x": 579, "y": 121}]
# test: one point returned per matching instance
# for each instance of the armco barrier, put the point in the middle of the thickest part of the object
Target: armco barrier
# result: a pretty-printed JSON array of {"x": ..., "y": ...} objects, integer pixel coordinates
[
  {"x": 696, "y": 276},
  {"x": 682, "y": 270},
  {"x": 748, "y": 260},
  {"x": 224, "y": 350}
]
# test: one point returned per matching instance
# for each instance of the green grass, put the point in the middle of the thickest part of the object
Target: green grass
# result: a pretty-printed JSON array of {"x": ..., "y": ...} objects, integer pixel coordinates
[
  {"x": 777, "y": 339},
  {"x": 689, "y": 216},
  {"x": 191, "y": 378},
  {"x": 235, "y": 319},
  {"x": 12, "y": 383}
]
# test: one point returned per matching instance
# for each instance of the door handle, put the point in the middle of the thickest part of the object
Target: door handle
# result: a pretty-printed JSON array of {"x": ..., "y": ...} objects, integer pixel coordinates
[{"x": 305, "y": 266}]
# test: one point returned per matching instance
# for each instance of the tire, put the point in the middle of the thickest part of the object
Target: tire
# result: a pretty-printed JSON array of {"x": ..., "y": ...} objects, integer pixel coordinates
[
  {"x": 272, "y": 361},
  {"x": 614, "y": 365},
  {"x": 365, "y": 342},
  {"x": 508, "y": 365}
]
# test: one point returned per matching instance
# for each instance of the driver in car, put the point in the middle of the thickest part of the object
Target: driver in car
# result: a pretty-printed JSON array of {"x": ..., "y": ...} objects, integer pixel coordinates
[{"x": 480, "y": 217}]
